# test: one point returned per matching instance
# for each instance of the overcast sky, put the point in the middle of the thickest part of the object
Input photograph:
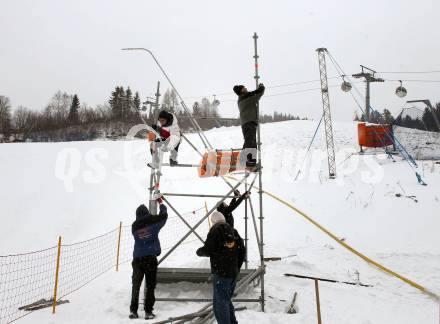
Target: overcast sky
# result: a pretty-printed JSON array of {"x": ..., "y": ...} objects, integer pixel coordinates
[{"x": 206, "y": 47}]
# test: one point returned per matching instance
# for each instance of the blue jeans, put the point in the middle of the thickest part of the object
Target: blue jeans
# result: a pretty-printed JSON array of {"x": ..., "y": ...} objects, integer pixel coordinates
[{"x": 223, "y": 292}]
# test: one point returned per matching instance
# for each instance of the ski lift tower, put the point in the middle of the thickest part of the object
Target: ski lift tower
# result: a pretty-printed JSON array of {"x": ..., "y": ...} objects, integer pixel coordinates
[
  {"x": 368, "y": 75},
  {"x": 326, "y": 113}
]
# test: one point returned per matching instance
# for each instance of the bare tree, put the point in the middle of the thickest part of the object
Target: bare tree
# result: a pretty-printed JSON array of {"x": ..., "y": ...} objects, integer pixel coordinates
[
  {"x": 57, "y": 110},
  {"x": 22, "y": 119},
  {"x": 5, "y": 115}
]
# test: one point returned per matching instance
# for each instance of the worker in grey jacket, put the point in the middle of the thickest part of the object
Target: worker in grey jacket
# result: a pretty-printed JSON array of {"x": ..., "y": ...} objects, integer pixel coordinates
[{"x": 247, "y": 104}]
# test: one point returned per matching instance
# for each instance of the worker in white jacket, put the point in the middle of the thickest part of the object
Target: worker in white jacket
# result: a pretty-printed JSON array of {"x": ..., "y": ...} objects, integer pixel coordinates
[{"x": 169, "y": 132}]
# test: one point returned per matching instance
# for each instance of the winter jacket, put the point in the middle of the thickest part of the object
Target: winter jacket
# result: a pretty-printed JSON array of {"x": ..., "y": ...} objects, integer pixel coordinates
[
  {"x": 145, "y": 231},
  {"x": 226, "y": 250},
  {"x": 170, "y": 131},
  {"x": 247, "y": 104},
  {"x": 227, "y": 210}
]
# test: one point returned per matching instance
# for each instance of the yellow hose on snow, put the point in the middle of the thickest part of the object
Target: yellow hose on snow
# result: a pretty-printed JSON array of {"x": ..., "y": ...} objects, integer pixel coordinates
[{"x": 348, "y": 247}]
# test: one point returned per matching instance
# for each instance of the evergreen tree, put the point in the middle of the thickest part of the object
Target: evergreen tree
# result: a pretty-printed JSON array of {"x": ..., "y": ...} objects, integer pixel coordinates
[
  {"x": 128, "y": 104},
  {"x": 74, "y": 110},
  {"x": 136, "y": 102},
  {"x": 387, "y": 117},
  {"x": 116, "y": 102}
]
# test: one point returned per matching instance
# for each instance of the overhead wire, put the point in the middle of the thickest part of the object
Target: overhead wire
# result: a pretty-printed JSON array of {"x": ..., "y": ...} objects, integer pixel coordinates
[{"x": 409, "y": 72}]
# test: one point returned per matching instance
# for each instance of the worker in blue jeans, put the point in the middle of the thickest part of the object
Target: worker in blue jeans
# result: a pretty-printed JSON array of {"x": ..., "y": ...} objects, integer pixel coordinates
[{"x": 226, "y": 251}]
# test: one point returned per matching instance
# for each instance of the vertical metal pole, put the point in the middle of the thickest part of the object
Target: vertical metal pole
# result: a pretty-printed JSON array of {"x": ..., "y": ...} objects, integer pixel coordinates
[
  {"x": 209, "y": 218},
  {"x": 257, "y": 78},
  {"x": 57, "y": 272},
  {"x": 119, "y": 246},
  {"x": 367, "y": 100},
  {"x": 152, "y": 202},
  {"x": 156, "y": 103},
  {"x": 318, "y": 303},
  {"x": 246, "y": 260}
]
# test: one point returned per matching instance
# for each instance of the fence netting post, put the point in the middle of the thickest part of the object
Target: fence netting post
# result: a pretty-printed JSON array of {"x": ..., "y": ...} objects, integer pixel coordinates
[
  {"x": 119, "y": 246},
  {"x": 57, "y": 272}
]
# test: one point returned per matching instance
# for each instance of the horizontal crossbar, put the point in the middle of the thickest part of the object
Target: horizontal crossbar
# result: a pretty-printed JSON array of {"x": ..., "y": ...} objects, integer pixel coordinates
[
  {"x": 194, "y": 275},
  {"x": 206, "y": 300},
  {"x": 195, "y": 195}
]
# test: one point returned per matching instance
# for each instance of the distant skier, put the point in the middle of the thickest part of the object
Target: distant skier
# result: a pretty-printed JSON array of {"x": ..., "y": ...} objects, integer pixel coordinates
[
  {"x": 226, "y": 251},
  {"x": 168, "y": 129},
  {"x": 227, "y": 210},
  {"x": 247, "y": 104},
  {"x": 146, "y": 249}
]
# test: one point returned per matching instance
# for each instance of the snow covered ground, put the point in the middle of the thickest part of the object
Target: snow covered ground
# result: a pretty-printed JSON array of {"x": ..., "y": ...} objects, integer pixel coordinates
[
  {"x": 421, "y": 144},
  {"x": 83, "y": 189}
]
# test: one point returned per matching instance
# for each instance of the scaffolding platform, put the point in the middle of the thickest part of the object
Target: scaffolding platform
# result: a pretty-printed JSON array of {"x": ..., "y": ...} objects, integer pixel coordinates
[{"x": 193, "y": 275}]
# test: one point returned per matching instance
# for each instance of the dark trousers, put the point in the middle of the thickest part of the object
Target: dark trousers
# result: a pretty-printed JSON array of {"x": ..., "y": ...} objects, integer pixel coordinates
[
  {"x": 143, "y": 267},
  {"x": 223, "y": 292},
  {"x": 250, "y": 139}
]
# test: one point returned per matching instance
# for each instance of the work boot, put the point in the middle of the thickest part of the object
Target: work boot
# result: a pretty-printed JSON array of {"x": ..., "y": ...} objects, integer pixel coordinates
[
  {"x": 173, "y": 163},
  {"x": 253, "y": 168},
  {"x": 133, "y": 315},
  {"x": 149, "y": 316}
]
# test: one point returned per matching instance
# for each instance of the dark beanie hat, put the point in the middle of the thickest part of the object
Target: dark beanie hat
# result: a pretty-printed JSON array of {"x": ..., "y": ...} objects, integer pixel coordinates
[
  {"x": 164, "y": 114},
  {"x": 142, "y": 211},
  {"x": 237, "y": 89}
]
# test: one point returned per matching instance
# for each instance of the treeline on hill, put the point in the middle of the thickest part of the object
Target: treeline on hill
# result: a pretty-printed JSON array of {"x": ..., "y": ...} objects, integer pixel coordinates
[
  {"x": 426, "y": 122},
  {"x": 65, "y": 118}
]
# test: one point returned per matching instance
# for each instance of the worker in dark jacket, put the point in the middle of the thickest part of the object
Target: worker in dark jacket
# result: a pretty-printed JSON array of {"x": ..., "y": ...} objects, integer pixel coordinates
[
  {"x": 247, "y": 104},
  {"x": 226, "y": 251},
  {"x": 145, "y": 231},
  {"x": 227, "y": 210}
]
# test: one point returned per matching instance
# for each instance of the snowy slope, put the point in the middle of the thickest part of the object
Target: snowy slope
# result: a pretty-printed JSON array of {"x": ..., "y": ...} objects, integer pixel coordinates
[{"x": 84, "y": 189}]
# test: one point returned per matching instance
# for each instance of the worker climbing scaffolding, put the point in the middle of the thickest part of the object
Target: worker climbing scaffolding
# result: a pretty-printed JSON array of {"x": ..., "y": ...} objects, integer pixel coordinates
[
  {"x": 170, "y": 138},
  {"x": 248, "y": 107}
]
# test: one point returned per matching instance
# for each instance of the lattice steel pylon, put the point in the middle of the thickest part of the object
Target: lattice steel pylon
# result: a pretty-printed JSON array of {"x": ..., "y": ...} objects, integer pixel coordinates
[{"x": 326, "y": 112}]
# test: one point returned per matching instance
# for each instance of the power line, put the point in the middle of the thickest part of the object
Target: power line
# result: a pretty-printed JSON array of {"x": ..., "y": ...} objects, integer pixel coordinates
[
  {"x": 269, "y": 87},
  {"x": 414, "y": 80},
  {"x": 288, "y": 92},
  {"x": 409, "y": 72}
]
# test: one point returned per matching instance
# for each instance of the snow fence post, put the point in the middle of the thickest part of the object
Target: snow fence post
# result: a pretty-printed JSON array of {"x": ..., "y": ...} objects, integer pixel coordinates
[
  {"x": 57, "y": 272},
  {"x": 318, "y": 303},
  {"x": 119, "y": 246}
]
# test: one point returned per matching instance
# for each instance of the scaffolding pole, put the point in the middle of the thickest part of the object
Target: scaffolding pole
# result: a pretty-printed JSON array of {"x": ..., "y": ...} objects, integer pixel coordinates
[{"x": 260, "y": 181}]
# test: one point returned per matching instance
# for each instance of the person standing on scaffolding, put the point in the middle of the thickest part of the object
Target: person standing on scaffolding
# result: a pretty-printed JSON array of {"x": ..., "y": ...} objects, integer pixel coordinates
[
  {"x": 227, "y": 210},
  {"x": 226, "y": 251},
  {"x": 247, "y": 104},
  {"x": 170, "y": 137}
]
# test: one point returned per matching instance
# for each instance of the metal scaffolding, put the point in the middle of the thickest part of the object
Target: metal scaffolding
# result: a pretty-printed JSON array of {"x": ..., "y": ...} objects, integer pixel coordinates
[{"x": 247, "y": 180}]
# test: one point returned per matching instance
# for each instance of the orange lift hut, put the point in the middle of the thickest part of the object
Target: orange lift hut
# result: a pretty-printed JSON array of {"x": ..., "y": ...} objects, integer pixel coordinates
[{"x": 374, "y": 135}]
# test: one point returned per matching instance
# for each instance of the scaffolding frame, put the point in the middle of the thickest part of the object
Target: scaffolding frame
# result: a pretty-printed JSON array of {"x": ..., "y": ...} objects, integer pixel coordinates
[{"x": 248, "y": 275}]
